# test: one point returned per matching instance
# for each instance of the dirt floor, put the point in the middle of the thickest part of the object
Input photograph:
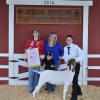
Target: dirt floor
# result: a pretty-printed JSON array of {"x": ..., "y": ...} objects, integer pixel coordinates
[{"x": 21, "y": 93}]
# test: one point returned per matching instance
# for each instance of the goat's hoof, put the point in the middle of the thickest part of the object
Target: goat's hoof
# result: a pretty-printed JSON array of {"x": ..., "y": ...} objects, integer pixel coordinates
[{"x": 33, "y": 94}]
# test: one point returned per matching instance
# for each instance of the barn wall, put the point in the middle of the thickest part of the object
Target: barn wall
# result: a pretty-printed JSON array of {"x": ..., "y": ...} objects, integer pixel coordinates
[
  {"x": 3, "y": 39},
  {"x": 24, "y": 31},
  {"x": 94, "y": 41}
]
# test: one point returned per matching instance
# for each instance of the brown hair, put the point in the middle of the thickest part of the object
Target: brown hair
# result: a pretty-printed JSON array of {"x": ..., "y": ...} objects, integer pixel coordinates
[
  {"x": 70, "y": 36},
  {"x": 37, "y": 30}
]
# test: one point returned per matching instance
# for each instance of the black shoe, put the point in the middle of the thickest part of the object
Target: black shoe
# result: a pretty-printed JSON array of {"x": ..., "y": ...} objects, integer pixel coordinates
[
  {"x": 46, "y": 89},
  {"x": 80, "y": 93},
  {"x": 49, "y": 91},
  {"x": 30, "y": 91}
]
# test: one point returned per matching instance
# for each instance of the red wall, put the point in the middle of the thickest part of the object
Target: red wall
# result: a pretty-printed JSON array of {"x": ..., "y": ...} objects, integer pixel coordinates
[
  {"x": 3, "y": 27},
  {"x": 24, "y": 31},
  {"x": 94, "y": 40},
  {"x": 3, "y": 38},
  {"x": 94, "y": 28}
]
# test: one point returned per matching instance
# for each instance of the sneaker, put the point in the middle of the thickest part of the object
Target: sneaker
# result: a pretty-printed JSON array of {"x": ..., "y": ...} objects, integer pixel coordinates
[{"x": 30, "y": 91}]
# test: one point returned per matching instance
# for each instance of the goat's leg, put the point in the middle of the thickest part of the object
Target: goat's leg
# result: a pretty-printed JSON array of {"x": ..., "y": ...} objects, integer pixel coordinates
[
  {"x": 65, "y": 91},
  {"x": 38, "y": 87}
]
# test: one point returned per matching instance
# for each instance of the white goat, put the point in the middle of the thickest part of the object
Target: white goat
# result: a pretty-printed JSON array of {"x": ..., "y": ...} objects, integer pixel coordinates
[{"x": 64, "y": 77}]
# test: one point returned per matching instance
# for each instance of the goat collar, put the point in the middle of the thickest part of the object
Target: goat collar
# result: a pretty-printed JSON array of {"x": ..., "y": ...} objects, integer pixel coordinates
[{"x": 63, "y": 69}]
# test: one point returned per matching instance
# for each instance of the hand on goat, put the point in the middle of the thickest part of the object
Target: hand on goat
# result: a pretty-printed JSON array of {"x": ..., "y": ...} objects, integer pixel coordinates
[{"x": 52, "y": 66}]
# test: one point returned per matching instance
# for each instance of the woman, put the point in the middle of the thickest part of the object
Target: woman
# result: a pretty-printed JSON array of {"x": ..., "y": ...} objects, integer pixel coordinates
[
  {"x": 35, "y": 42},
  {"x": 57, "y": 49}
]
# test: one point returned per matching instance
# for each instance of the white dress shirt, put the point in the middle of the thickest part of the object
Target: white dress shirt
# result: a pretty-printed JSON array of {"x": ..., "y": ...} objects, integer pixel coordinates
[{"x": 75, "y": 52}]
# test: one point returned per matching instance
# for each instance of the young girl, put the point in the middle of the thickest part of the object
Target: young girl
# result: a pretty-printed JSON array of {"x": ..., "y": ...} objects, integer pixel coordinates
[{"x": 34, "y": 42}]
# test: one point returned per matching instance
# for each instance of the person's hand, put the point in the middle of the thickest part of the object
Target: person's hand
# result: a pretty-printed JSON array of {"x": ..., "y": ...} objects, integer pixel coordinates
[
  {"x": 43, "y": 65},
  {"x": 61, "y": 57},
  {"x": 42, "y": 57},
  {"x": 67, "y": 62},
  {"x": 52, "y": 66},
  {"x": 30, "y": 48},
  {"x": 76, "y": 59},
  {"x": 25, "y": 58}
]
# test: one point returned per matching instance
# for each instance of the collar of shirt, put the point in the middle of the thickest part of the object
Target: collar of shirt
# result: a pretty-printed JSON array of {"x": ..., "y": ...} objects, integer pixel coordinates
[{"x": 70, "y": 45}]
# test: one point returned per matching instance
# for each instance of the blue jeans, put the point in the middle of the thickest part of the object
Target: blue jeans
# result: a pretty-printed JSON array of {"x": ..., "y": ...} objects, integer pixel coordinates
[
  {"x": 51, "y": 86},
  {"x": 33, "y": 78}
]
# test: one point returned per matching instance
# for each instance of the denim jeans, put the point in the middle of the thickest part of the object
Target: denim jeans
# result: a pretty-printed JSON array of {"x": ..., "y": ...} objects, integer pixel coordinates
[
  {"x": 51, "y": 86},
  {"x": 33, "y": 78}
]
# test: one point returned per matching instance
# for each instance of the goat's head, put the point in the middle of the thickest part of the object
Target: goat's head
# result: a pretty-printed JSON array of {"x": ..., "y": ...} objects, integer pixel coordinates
[{"x": 72, "y": 64}]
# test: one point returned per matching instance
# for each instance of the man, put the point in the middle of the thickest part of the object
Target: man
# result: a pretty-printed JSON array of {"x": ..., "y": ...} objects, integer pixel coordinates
[{"x": 72, "y": 50}]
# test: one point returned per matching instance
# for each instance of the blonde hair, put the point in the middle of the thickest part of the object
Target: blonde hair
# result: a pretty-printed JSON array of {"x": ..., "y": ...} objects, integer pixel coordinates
[{"x": 52, "y": 39}]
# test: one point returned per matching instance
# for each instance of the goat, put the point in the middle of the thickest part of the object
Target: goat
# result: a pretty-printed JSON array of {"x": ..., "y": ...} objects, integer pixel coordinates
[{"x": 64, "y": 77}]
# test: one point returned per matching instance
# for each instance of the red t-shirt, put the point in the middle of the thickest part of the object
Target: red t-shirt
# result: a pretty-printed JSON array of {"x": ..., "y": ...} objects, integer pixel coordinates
[{"x": 35, "y": 44}]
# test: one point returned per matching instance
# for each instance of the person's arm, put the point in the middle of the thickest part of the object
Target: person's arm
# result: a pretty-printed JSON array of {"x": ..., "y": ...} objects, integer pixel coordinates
[
  {"x": 43, "y": 62},
  {"x": 81, "y": 54},
  {"x": 53, "y": 64},
  {"x": 61, "y": 50},
  {"x": 26, "y": 46},
  {"x": 41, "y": 47},
  {"x": 45, "y": 47},
  {"x": 65, "y": 56},
  {"x": 25, "y": 57}
]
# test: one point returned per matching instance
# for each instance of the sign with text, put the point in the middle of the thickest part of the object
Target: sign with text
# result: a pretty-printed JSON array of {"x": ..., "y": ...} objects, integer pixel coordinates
[
  {"x": 48, "y": 15},
  {"x": 33, "y": 57}
]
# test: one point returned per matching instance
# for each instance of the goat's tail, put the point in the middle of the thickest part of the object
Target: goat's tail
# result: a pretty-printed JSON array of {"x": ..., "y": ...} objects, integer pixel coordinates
[{"x": 36, "y": 71}]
